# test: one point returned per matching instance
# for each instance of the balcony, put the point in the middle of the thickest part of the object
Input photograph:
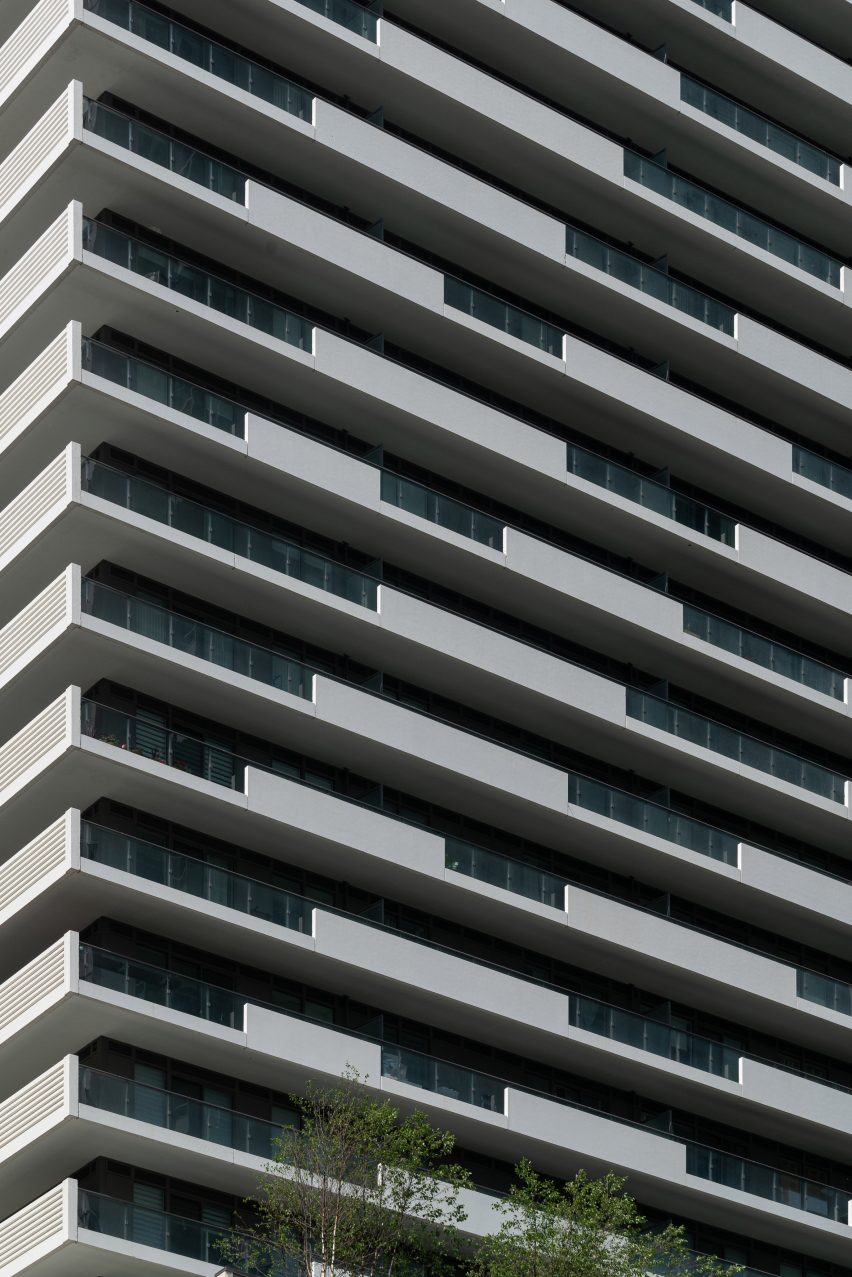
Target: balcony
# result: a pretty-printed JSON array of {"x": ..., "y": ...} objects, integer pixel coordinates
[
  {"x": 510, "y": 319},
  {"x": 744, "y": 749},
  {"x": 784, "y": 661},
  {"x": 758, "y": 129},
  {"x": 651, "y": 495},
  {"x": 185, "y": 635},
  {"x": 650, "y": 280},
  {"x": 361, "y": 19},
  {"x": 151, "y": 1228},
  {"x": 208, "y": 55},
  {"x": 455, "y": 516},
  {"x": 163, "y": 387},
  {"x": 177, "y": 1113},
  {"x": 197, "y": 284},
  {"x": 154, "y": 502},
  {"x": 720, "y": 8},
  {"x": 828, "y": 474},
  {"x": 730, "y": 217}
]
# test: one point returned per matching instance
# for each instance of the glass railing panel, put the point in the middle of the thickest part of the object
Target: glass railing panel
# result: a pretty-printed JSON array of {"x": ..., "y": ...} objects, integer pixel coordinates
[
  {"x": 650, "y": 1035},
  {"x": 173, "y": 749},
  {"x": 196, "y": 877},
  {"x": 651, "y": 818},
  {"x": 354, "y": 17},
  {"x": 451, "y": 1080},
  {"x": 207, "y": 54},
  {"x": 836, "y": 995},
  {"x": 783, "y": 1187},
  {"x": 145, "y": 1227},
  {"x": 163, "y": 988},
  {"x": 650, "y": 494},
  {"x": 163, "y": 387},
  {"x": 828, "y": 474},
  {"x": 648, "y": 279},
  {"x": 434, "y": 506},
  {"x": 197, "y": 284},
  {"x": 721, "y": 8},
  {"x": 159, "y": 148},
  {"x": 784, "y": 661},
  {"x": 723, "y": 213},
  {"x": 178, "y": 1113},
  {"x": 503, "y": 315},
  {"x": 731, "y": 743},
  {"x": 134, "y": 493},
  {"x": 502, "y": 871},
  {"x": 185, "y": 635},
  {"x": 756, "y": 127}
]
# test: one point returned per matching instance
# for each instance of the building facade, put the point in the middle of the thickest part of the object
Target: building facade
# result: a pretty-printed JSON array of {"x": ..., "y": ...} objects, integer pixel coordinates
[{"x": 425, "y": 606}]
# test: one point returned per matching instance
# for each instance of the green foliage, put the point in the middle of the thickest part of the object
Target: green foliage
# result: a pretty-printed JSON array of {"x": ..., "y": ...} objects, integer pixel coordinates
[
  {"x": 585, "y": 1228},
  {"x": 359, "y": 1189}
]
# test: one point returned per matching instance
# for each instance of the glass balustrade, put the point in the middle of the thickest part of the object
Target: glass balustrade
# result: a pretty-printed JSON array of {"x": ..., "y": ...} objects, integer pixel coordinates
[
  {"x": 501, "y": 871},
  {"x": 196, "y": 284},
  {"x": 354, "y": 17},
  {"x": 730, "y": 217},
  {"x": 217, "y": 59},
  {"x": 163, "y": 387},
  {"x": 782, "y": 660},
  {"x": 783, "y": 1187},
  {"x": 731, "y": 743},
  {"x": 648, "y": 279},
  {"x": 650, "y": 494},
  {"x": 828, "y": 474},
  {"x": 147, "y": 738},
  {"x": 227, "y": 1008},
  {"x": 184, "y": 635},
  {"x": 721, "y": 8},
  {"x": 154, "y": 502},
  {"x": 646, "y": 1034},
  {"x": 434, "y": 506},
  {"x": 651, "y": 818},
  {"x": 756, "y": 127},
  {"x": 151, "y": 144},
  {"x": 146, "y": 1227},
  {"x": 196, "y": 878},
  {"x": 450, "y": 1080},
  {"x": 178, "y": 1113},
  {"x": 165, "y": 988},
  {"x": 503, "y": 315},
  {"x": 836, "y": 995}
]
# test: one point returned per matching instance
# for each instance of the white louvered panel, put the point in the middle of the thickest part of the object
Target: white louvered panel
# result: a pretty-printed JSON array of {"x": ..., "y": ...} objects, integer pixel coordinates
[
  {"x": 31, "y": 1226},
  {"x": 30, "y": 744},
  {"x": 50, "y": 133},
  {"x": 40, "y": 857},
  {"x": 33, "y": 982},
  {"x": 36, "y": 265},
  {"x": 29, "y": 1106},
  {"x": 29, "y": 506},
  {"x": 25, "y": 40},
  {"x": 31, "y": 624},
  {"x": 45, "y": 374}
]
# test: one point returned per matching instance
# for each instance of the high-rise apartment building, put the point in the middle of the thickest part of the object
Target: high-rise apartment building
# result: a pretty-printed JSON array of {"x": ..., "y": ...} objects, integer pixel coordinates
[{"x": 425, "y": 606}]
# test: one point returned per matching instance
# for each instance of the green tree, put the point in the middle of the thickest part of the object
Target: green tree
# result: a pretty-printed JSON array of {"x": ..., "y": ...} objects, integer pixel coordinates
[
  {"x": 358, "y": 1189},
  {"x": 584, "y": 1228}
]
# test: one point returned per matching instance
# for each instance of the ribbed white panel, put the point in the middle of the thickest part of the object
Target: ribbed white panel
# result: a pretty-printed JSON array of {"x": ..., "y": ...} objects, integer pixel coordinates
[
  {"x": 30, "y": 744},
  {"x": 31, "y": 1226},
  {"x": 33, "y": 982},
  {"x": 37, "y": 264},
  {"x": 40, "y": 857},
  {"x": 50, "y": 134},
  {"x": 31, "y": 624},
  {"x": 25, "y": 40},
  {"x": 24, "y": 512},
  {"x": 45, "y": 375},
  {"x": 32, "y": 1104}
]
